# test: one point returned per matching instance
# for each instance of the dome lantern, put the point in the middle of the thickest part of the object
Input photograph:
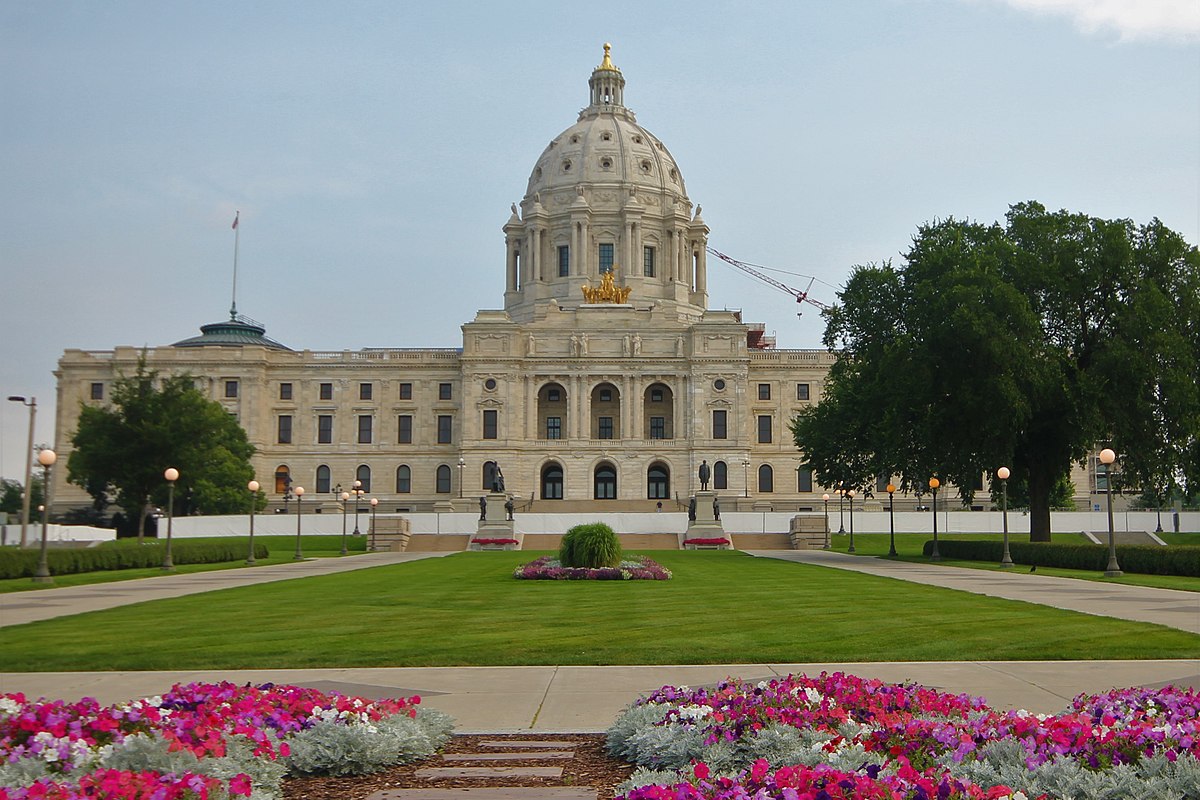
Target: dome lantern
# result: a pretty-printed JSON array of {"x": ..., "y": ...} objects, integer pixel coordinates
[{"x": 607, "y": 83}]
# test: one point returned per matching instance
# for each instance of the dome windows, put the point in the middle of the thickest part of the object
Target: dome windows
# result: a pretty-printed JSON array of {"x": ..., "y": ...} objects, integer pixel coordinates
[
  {"x": 575, "y": 139},
  {"x": 566, "y": 165},
  {"x": 646, "y": 166},
  {"x": 606, "y": 136},
  {"x": 637, "y": 139},
  {"x": 605, "y": 163}
]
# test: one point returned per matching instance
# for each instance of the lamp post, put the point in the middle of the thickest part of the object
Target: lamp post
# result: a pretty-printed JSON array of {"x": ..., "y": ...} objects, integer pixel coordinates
[
  {"x": 891, "y": 490},
  {"x": 46, "y": 458},
  {"x": 850, "y": 497},
  {"x": 841, "y": 508},
  {"x": 825, "y": 500},
  {"x": 172, "y": 475},
  {"x": 374, "y": 503},
  {"x": 746, "y": 477},
  {"x": 462, "y": 462},
  {"x": 32, "y": 403},
  {"x": 345, "y": 504},
  {"x": 357, "y": 494},
  {"x": 253, "y": 487},
  {"x": 1002, "y": 474},
  {"x": 1107, "y": 457},
  {"x": 934, "y": 483},
  {"x": 299, "y": 492}
]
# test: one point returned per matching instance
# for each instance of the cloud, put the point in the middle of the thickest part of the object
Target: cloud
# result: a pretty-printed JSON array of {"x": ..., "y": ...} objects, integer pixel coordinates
[{"x": 1172, "y": 20}]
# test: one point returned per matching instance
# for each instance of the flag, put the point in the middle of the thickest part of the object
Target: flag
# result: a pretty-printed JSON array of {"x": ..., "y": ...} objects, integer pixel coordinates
[{"x": 235, "y": 219}]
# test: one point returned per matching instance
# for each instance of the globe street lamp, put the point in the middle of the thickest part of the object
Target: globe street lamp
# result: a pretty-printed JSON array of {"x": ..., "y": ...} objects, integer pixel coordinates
[
  {"x": 298, "y": 491},
  {"x": 825, "y": 499},
  {"x": 934, "y": 483},
  {"x": 891, "y": 490},
  {"x": 357, "y": 494},
  {"x": 850, "y": 497},
  {"x": 746, "y": 477},
  {"x": 32, "y": 403},
  {"x": 46, "y": 458},
  {"x": 374, "y": 503},
  {"x": 1002, "y": 474},
  {"x": 172, "y": 475},
  {"x": 841, "y": 508},
  {"x": 462, "y": 462},
  {"x": 1107, "y": 457},
  {"x": 253, "y": 487},
  {"x": 345, "y": 504}
]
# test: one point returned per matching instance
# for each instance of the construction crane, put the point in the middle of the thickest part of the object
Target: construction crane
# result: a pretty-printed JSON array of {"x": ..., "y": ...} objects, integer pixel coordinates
[{"x": 801, "y": 296}]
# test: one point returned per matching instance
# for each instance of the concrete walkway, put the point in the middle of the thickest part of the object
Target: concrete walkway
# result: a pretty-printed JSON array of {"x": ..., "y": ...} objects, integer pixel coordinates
[{"x": 562, "y": 699}]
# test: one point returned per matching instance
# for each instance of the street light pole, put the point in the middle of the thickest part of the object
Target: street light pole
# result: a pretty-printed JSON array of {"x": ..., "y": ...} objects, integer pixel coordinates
[
  {"x": 462, "y": 462},
  {"x": 299, "y": 492},
  {"x": 1003, "y": 473},
  {"x": 32, "y": 403},
  {"x": 345, "y": 505},
  {"x": 841, "y": 508},
  {"x": 357, "y": 494},
  {"x": 934, "y": 483},
  {"x": 1107, "y": 457},
  {"x": 253, "y": 487},
  {"x": 374, "y": 503},
  {"x": 850, "y": 496},
  {"x": 46, "y": 458},
  {"x": 891, "y": 490},
  {"x": 825, "y": 500},
  {"x": 172, "y": 475},
  {"x": 746, "y": 477}
]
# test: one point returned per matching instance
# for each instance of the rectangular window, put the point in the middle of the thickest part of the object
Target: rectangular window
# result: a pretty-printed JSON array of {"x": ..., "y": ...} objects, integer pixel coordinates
[
  {"x": 604, "y": 428},
  {"x": 445, "y": 428},
  {"x": 656, "y": 395},
  {"x": 564, "y": 261},
  {"x": 285, "y": 429},
  {"x": 553, "y": 427},
  {"x": 553, "y": 395},
  {"x": 764, "y": 429},
  {"x": 658, "y": 427},
  {"x": 719, "y": 429},
  {"x": 804, "y": 480},
  {"x": 490, "y": 424},
  {"x": 97, "y": 391},
  {"x": 364, "y": 428},
  {"x": 801, "y": 391},
  {"x": 445, "y": 392},
  {"x": 764, "y": 391},
  {"x": 404, "y": 428},
  {"x": 364, "y": 391},
  {"x": 406, "y": 391},
  {"x": 231, "y": 389},
  {"x": 326, "y": 392},
  {"x": 648, "y": 262},
  {"x": 606, "y": 258},
  {"x": 325, "y": 429},
  {"x": 285, "y": 391}
]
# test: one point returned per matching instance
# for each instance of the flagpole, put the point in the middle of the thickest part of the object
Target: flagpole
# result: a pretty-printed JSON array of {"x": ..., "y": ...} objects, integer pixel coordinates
[{"x": 237, "y": 234}]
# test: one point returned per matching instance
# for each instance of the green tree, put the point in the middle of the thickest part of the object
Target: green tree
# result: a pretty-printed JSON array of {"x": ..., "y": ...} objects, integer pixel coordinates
[
  {"x": 1022, "y": 344},
  {"x": 10, "y": 496},
  {"x": 120, "y": 452}
]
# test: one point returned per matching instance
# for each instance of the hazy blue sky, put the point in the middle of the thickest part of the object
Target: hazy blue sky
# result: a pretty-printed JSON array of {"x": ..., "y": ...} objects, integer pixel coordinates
[{"x": 373, "y": 149}]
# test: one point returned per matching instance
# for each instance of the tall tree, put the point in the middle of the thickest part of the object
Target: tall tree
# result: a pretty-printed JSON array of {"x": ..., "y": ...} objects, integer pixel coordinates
[
  {"x": 1022, "y": 344},
  {"x": 121, "y": 451}
]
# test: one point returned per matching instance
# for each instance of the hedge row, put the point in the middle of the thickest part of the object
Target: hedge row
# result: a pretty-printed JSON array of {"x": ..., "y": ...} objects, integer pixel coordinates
[
  {"x": 1143, "y": 559},
  {"x": 16, "y": 563}
]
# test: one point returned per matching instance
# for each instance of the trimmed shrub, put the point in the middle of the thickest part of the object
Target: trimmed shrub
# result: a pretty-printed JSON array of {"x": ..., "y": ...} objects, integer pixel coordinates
[
  {"x": 16, "y": 563},
  {"x": 592, "y": 546},
  {"x": 1141, "y": 559}
]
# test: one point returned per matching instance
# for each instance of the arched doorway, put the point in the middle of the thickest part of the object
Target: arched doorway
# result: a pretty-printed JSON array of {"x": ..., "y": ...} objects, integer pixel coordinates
[
  {"x": 552, "y": 481},
  {"x": 604, "y": 482},
  {"x": 658, "y": 481}
]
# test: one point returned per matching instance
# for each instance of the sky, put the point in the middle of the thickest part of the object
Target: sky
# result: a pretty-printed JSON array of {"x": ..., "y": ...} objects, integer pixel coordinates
[{"x": 373, "y": 150}]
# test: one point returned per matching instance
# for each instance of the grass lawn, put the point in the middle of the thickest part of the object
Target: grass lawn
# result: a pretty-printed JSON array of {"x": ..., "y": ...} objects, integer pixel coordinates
[
  {"x": 466, "y": 609},
  {"x": 909, "y": 545}
]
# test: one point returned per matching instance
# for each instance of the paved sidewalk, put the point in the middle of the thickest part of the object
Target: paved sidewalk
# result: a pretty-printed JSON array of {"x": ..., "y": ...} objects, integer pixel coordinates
[{"x": 1170, "y": 607}]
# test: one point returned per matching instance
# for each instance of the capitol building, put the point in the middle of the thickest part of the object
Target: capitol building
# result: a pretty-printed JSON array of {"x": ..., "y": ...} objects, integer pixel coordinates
[{"x": 600, "y": 383}]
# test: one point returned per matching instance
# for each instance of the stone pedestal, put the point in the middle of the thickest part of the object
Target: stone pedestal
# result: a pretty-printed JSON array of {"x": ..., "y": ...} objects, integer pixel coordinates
[
  {"x": 706, "y": 525},
  {"x": 808, "y": 532},
  {"x": 495, "y": 524}
]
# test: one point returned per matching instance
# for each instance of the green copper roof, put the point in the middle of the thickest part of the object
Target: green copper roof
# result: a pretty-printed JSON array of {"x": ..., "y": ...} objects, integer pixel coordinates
[{"x": 237, "y": 331}]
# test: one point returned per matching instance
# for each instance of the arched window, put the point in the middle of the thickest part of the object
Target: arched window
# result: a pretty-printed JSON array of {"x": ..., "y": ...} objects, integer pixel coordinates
[
  {"x": 403, "y": 479},
  {"x": 489, "y": 475},
  {"x": 363, "y": 474},
  {"x": 552, "y": 482},
  {"x": 766, "y": 479},
  {"x": 605, "y": 482},
  {"x": 658, "y": 482},
  {"x": 443, "y": 479},
  {"x": 323, "y": 479},
  {"x": 720, "y": 475},
  {"x": 283, "y": 479}
]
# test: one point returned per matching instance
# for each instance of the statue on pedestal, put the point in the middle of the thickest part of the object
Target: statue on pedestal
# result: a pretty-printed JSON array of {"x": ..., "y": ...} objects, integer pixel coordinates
[{"x": 704, "y": 475}]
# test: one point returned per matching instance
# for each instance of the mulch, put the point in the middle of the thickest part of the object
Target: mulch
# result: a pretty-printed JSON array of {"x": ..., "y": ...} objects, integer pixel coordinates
[{"x": 590, "y": 766}]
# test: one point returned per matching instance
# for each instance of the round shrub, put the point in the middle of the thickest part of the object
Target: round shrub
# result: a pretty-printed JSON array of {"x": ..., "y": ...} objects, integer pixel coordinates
[{"x": 592, "y": 546}]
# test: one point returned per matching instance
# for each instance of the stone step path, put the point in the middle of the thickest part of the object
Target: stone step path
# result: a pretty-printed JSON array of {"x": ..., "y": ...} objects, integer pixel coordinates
[{"x": 487, "y": 765}]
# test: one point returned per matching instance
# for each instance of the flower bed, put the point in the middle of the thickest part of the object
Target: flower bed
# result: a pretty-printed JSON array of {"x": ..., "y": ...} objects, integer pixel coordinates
[
  {"x": 720, "y": 542},
  {"x": 494, "y": 541},
  {"x": 547, "y": 568},
  {"x": 839, "y": 736},
  {"x": 204, "y": 742}
]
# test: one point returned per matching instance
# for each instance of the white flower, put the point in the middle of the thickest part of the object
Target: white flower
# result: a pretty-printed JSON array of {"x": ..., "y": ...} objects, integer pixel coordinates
[
  {"x": 694, "y": 712},
  {"x": 763, "y": 684}
]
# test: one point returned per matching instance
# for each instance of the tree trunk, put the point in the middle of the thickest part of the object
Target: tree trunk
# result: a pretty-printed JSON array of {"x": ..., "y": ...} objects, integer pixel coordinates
[
  {"x": 1040, "y": 482},
  {"x": 142, "y": 522}
]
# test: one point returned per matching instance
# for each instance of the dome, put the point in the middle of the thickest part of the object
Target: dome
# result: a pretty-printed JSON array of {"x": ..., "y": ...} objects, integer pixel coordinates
[{"x": 237, "y": 331}]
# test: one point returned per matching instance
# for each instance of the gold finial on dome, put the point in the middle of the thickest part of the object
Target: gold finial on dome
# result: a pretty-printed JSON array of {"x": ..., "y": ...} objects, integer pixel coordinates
[{"x": 607, "y": 62}]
